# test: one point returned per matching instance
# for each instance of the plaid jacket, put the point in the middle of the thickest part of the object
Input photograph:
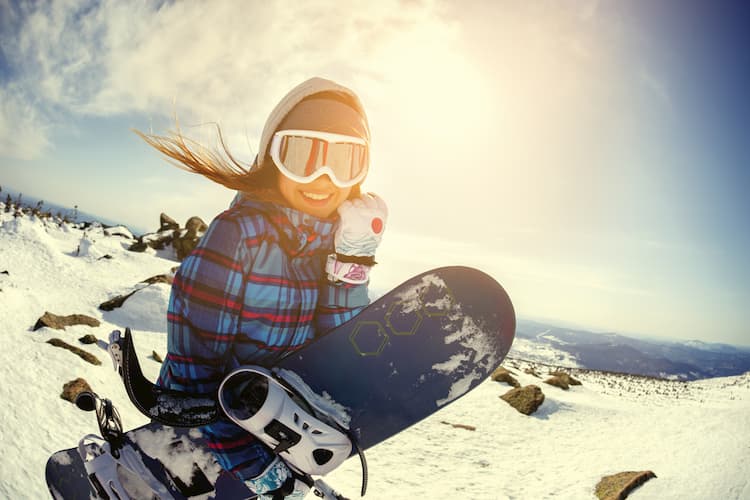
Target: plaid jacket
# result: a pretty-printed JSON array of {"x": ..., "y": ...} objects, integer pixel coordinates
[{"x": 253, "y": 289}]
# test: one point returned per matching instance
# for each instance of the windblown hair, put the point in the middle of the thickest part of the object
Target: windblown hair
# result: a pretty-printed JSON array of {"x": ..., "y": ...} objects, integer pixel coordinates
[{"x": 220, "y": 165}]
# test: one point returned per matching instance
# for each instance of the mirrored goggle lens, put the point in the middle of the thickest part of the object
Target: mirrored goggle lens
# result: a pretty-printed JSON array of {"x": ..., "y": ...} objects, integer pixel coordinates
[{"x": 303, "y": 156}]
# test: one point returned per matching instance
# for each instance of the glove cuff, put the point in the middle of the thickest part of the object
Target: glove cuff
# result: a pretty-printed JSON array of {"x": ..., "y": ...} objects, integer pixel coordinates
[{"x": 347, "y": 272}]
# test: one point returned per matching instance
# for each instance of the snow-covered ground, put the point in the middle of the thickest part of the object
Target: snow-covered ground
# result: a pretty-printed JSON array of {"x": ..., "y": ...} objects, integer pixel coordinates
[{"x": 694, "y": 436}]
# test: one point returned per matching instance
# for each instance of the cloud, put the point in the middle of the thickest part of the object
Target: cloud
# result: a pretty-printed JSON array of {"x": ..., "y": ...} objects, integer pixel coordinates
[
  {"x": 227, "y": 60},
  {"x": 23, "y": 128}
]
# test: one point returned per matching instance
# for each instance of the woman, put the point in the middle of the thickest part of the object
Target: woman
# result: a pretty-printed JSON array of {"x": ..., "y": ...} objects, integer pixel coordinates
[{"x": 288, "y": 260}]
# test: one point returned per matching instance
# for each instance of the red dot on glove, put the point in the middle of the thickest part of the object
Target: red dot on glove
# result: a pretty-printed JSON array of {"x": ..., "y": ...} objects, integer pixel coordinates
[{"x": 377, "y": 225}]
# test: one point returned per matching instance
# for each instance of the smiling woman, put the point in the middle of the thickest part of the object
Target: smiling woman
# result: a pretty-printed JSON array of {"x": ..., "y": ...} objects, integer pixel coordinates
[{"x": 287, "y": 261}]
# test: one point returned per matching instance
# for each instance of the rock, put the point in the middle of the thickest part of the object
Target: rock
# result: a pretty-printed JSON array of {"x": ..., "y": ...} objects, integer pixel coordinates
[
  {"x": 565, "y": 377},
  {"x": 184, "y": 241},
  {"x": 88, "y": 339},
  {"x": 138, "y": 246},
  {"x": 155, "y": 356},
  {"x": 118, "y": 301},
  {"x": 84, "y": 355},
  {"x": 524, "y": 399},
  {"x": 460, "y": 426},
  {"x": 503, "y": 375},
  {"x": 60, "y": 322},
  {"x": 159, "y": 278},
  {"x": 557, "y": 382},
  {"x": 114, "y": 303},
  {"x": 118, "y": 231},
  {"x": 619, "y": 486},
  {"x": 72, "y": 389},
  {"x": 159, "y": 241},
  {"x": 183, "y": 245},
  {"x": 195, "y": 227},
  {"x": 533, "y": 372},
  {"x": 167, "y": 223}
]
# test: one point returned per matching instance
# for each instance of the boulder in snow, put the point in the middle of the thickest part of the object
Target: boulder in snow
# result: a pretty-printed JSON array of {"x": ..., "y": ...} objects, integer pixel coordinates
[
  {"x": 504, "y": 375},
  {"x": 84, "y": 355},
  {"x": 60, "y": 322},
  {"x": 566, "y": 377},
  {"x": 619, "y": 486},
  {"x": 72, "y": 389},
  {"x": 525, "y": 399},
  {"x": 115, "y": 302},
  {"x": 88, "y": 339},
  {"x": 557, "y": 382}
]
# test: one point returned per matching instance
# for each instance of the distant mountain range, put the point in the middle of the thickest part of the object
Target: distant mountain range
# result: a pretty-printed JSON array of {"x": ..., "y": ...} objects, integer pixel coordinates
[{"x": 688, "y": 360}]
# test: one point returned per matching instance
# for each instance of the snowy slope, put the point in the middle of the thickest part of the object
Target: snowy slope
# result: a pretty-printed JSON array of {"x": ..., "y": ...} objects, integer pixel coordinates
[{"x": 694, "y": 436}]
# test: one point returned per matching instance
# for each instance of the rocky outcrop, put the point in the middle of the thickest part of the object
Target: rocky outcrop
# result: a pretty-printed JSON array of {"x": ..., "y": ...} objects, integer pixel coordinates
[
  {"x": 504, "y": 375},
  {"x": 84, "y": 355},
  {"x": 51, "y": 320},
  {"x": 619, "y": 486},
  {"x": 195, "y": 226},
  {"x": 183, "y": 241},
  {"x": 525, "y": 399}
]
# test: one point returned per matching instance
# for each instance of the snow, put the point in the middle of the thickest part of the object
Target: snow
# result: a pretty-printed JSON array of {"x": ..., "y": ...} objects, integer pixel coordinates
[{"x": 694, "y": 436}]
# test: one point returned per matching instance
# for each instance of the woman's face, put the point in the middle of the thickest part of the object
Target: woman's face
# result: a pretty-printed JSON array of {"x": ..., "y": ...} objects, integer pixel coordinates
[{"x": 319, "y": 198}]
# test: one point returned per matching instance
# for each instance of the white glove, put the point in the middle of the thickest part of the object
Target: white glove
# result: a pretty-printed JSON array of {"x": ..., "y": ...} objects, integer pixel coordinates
[{"x": 361, "y": 227}]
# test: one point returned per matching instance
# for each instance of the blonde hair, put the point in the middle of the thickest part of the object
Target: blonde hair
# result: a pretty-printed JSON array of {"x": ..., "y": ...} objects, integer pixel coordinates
[{"x": 220, "y": 165}]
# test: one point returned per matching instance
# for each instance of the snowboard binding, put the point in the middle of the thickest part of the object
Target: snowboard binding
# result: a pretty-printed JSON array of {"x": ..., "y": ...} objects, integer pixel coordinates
[
  {"x": 270, "y": 408},
  {"x": 114, "y": 471},
  {"x": 257, "y": 401}
]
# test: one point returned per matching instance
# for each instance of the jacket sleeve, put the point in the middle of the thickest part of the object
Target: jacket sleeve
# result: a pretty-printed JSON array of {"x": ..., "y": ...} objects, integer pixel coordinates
[
  {"x": 338, "y": 303},
  {"x": 202, "y": 321},
  {"x": 204, "y": 309}
]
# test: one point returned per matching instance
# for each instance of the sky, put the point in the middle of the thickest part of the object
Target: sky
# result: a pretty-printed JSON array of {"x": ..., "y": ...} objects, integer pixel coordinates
[{"x": 592, "y": 156}]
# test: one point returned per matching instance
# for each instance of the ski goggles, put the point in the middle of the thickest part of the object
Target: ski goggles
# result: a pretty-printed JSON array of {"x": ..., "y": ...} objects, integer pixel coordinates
[{"x": 305, "y": 155}]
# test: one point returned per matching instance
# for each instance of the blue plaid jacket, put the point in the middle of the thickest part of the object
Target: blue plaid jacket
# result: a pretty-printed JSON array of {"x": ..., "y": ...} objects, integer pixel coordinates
[{"x": 253, "y": 289}]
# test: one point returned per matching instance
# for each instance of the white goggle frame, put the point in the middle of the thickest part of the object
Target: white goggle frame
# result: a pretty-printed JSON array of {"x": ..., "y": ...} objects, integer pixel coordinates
[{"x": 329, "y": 137}]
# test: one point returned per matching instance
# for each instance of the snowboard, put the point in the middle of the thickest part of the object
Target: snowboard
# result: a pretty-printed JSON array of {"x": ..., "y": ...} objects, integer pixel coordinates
[{"x": 408, "y": 354}]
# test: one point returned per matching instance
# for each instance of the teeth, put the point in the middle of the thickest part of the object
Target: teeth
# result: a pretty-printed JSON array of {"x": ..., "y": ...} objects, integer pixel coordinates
[{"x": 315, "y": 196}]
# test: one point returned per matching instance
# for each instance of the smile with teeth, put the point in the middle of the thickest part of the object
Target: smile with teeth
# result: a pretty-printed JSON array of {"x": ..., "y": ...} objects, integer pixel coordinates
[{"x": 316, "y": 196}]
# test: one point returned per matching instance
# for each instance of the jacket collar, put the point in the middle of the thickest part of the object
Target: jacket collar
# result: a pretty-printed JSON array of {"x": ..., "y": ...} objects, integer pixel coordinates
[{"x": 299, "y": 233}]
